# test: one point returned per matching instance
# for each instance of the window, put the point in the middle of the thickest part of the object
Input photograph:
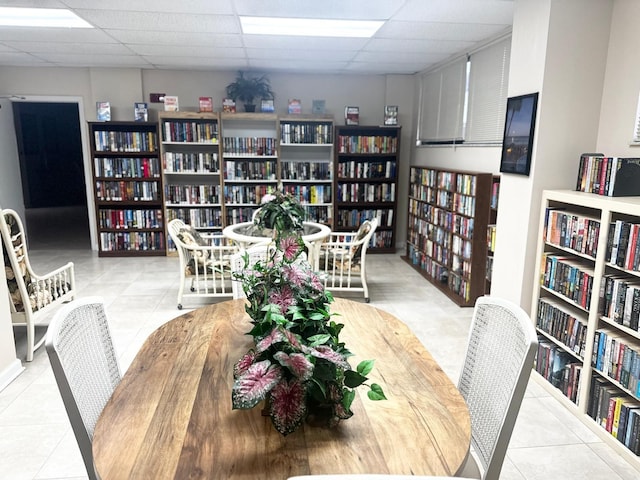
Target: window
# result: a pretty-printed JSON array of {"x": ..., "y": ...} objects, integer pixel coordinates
[{"x": 465, "y": 100}]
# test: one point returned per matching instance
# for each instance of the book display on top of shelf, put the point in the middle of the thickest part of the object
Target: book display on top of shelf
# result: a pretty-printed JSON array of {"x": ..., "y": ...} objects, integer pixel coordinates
[
  {"x": 267, "y": 106},
  {"x": 366, "y": 174},
  {"x": 586, "y": 307},
  {"x": 127, "y": 179},
  {"x": 391, "y": 115},
  {"x": 306, "y": 156},
  {"x": 205, "y": 104},
  {"x": 609, "y": 176},
  {"x": 140, "y": 112},
  {"x": 351, "y": 115},
  {"x": 190, "y": 153},
  {"x": 228, "y": 105},
  {"x": 171, "y": 103},
  {"x": 449, "y": 216},
  {"x": 250, "y": 162},
  {"x": 318, "y": 107},
  {"x": 103, "y": 111},
  {"x": 295, "y": 106}
]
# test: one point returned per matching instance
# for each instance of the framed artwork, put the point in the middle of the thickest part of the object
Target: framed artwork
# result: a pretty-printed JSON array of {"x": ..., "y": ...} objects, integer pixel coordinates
[{"x": 519, "y": 127}]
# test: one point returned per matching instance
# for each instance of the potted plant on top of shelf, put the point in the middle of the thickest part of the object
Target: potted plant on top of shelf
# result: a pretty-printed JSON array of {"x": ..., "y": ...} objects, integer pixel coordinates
[{"x": 247, "y": 89}]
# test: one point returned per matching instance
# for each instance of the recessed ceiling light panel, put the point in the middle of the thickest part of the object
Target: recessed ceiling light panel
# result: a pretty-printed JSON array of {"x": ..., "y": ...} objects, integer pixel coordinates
[
  {"x": 41, "y": 17},
  {"x": 309, "y": 27}
]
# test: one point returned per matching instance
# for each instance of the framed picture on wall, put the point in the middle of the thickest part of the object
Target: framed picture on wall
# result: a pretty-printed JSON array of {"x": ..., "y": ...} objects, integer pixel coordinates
[{"x": 519, "y": 127}]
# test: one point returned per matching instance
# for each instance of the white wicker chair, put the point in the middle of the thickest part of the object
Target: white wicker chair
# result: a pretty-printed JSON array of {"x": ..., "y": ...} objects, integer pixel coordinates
[
  {"x": 204, "y": 260},
  {"x": 246, "y": 259},
  {"x": 498, "y": 362},
  {"x": 32, "y": 296},
  {"x": 342, "y": 259},
  {"x": 85, "y": 367}
]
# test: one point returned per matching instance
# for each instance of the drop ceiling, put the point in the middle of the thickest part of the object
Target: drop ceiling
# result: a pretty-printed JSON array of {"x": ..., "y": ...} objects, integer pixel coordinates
[{"x": 206, "y": 35}]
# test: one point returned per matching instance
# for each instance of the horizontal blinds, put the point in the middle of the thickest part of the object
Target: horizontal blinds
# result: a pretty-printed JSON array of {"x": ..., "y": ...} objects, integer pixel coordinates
[{"x": 488, "y": 82}]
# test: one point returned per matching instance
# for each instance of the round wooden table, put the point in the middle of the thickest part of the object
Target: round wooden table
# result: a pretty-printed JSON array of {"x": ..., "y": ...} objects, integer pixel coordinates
[{"x": 171, "y": 416}]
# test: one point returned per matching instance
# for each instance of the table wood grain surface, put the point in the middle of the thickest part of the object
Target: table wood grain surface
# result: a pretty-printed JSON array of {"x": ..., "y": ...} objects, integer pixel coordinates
[{"x": 171, "y": 416}]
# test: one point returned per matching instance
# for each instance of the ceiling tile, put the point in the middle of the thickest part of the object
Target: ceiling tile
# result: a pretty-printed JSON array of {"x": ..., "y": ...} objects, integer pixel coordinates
[
  {"x": 68, "y": 47},
  {"x": 175, "y": 38},
  {"x": 218, "y": 7},
  {"x": 457, "y": 11},
  {"x": 351, "y": 9},
  {"x": 469, "y": 32}
]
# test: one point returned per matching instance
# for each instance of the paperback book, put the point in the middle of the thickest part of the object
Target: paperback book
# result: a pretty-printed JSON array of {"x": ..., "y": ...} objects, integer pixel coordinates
[
  {"x": 351, "y": 115},
  {"x": 228, "y": 105},
  {"x": 140, "y": 112},
  {"x": 267, "y": 106},
  {"x": 295, "y": 106},
  {"x": 103, "y": 111},
  {"x": 171, "y": 103},
  {"x": 317, "y": 107},
  {"x": 205, "y": 104},
  {"x": 391, "y": 115}
]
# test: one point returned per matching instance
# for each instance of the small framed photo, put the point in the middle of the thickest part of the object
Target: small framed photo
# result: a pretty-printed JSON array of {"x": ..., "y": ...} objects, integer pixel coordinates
[{"x": 519, "y": 128}]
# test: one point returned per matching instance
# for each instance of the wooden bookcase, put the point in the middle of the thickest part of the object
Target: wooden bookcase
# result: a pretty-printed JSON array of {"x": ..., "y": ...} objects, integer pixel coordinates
[
  {"x": 366, "y": 173},
  {"x": 190, "y": 152},
  {"x": 249, "y": 162},
  {"x": 579, "y": 307},
  {"x": 127, "y": 184},
  {"x": 306, "y": 158},
  {"x": 491, "y": 230},
  {"x": 449, "y": 213}
]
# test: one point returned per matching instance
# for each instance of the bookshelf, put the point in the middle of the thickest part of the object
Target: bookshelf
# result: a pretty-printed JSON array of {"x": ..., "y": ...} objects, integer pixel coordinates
[
  {"x": 306, "y": 157},
  {"x": 491, "y": 230},
  {"x": 127, "y": 184},
  {"x": 586, "y": 304},
  {"x": 365, "y": 180},
  {"x": 190, "y": 152},
  {"x": 249, "y": 162},
  {"x": 449, "y": 214}
]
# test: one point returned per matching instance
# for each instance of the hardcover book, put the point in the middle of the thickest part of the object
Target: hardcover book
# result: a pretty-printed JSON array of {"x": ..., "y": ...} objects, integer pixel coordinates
[
  {"x": 140, "y": 112},
  {"x": 351, "y": 115},
  {"x": 228, "y": 105},
  {"x": 205, "y": 104},
  {"x": 317, "y": 107},
  {"x": 295, "y": 106},
  {"x": 267, "y": 106},
  {"x": 103, "y": 111},
  {"x": 171, "y": 103},
  {"x": 391, "y": 115}
]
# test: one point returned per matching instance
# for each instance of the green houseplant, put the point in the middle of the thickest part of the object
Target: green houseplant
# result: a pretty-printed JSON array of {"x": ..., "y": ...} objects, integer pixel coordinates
[{"x": 248, "y": 88}]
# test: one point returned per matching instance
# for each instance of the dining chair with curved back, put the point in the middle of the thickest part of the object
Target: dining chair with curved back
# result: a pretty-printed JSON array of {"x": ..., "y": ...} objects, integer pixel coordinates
[
  {"x": 84, "y": 365},
  {"x": 246, "y": 259},
  {"x": 500, "y": 352}
]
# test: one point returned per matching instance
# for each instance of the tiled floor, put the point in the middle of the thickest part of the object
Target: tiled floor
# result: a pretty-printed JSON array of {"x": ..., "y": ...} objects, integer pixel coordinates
[{"x": 36, "y": 441}]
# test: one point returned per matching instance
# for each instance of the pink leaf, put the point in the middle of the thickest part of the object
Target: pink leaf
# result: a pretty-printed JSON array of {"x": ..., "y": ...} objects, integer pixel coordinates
[
  {"x": 297, "y": 363},
  {"x": 275, "y": 336},
  {"x": 244, "y": 363},
  {"x": 325, "y": 352},
  {"x": 288, "y": 406},
  {"x": 254, "y": 384}
]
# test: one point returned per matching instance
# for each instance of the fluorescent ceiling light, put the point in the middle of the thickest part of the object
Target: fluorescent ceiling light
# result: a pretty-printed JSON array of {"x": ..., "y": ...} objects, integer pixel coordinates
[
  {"x": 41, "y": 17},
  {"x": 309, "y": 27}
]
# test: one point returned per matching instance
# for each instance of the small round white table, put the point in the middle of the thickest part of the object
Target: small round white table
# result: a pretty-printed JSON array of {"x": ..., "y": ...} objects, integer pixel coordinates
[{"x": 245, "y": 235}]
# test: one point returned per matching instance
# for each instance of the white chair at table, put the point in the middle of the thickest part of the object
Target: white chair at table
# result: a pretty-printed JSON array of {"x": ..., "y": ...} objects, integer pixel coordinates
[
  {"x": 499, "y": 358},
  {"x": 342, "y": 259},
  {"x": 85, "y": 367},
  {"x": 204, "y": 261},
  {"x": 244, "y": 259}
]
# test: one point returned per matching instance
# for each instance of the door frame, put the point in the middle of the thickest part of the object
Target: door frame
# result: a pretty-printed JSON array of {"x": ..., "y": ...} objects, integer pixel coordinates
[{"x": 86, "y": 157}]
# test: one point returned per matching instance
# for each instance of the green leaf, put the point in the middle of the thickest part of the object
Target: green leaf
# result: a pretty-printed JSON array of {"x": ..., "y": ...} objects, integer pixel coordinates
[
  {"x": 365, "y": 366},
  {"x": 353, "y": 379},
  {"x": 376, "y": 393},
  {"x": 319, "y": 339},
  {"x": 347, "y": 398}
]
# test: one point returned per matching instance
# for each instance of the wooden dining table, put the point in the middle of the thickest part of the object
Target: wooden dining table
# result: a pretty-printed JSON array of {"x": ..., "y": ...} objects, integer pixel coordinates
[{"x": 171, "y": 415}]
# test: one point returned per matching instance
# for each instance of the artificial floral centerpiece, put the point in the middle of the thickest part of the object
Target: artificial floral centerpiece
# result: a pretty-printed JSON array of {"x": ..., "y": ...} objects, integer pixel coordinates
[
  {"x": 280, "y": 213},
  {"x": 298, "y": 365}
]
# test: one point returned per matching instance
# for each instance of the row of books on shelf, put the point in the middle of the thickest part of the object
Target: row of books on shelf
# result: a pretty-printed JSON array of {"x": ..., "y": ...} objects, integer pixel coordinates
[
  {"x": 113, "y": 191},
  {"x": 309, "y": 193},
  {"x": 190, "y": 131},
  {"x": 125, "y": 142},
  {"x": 240, "y": 194},
  {"x": 609, "y": 176},
  {"x": 489, "y": 268},
  {"x": 366, "y": 192},
  {"x": 620, "y": 300},
  {"x": 373, "y": 169},
  {"x": 460, "y": 266},
  {"x": 239, "y": 214},
  {"x": 126, "y": 167},
  {"x": 623, "y": 247},
  {"x": 555, "y": 320},
  {"x": 353, "y": 218},
  {"x": 495, "y": 194},
  {"x": 617, "y": 413},
  {"x": 382, "y": 239},
  {"x": 428, "y": 264},
  {"x": 491, "y": 238},
  {"x": 194, "y": 162},
  {"x": 570, "y": 278},
  {"x": 192, "y": 194},
  {"x": 306, "y": 132},
  {"x": 571, "y": 230},
  {"x": 249, "y": 170},
  {"x": 458, "y": 224},
  {"x": 461, "y": 247},
  {"x": 367, "y": 144},
  {"x": 250, "y": 146},
  {"x": 466, "y": 183},
  {"x": 130, "y": 218},
  {"x": 438, "y": 252},
  {"x": 305, "y": 171},
  {"x": 559, "y": 368},
  {"x": 460, "y": 286},
  {"x": 197, "y": 217},
  {"x": 617, "y": 358},
  {"x": 318, "y": 213},
  {"x": 464, "y": 204},
  {"x": 423, "y": 193},
  {"x": 131, "y": 241}
]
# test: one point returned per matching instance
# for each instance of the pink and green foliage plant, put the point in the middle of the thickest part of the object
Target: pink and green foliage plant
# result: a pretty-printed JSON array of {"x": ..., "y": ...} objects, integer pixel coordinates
[{"x": 298, "y": 362}]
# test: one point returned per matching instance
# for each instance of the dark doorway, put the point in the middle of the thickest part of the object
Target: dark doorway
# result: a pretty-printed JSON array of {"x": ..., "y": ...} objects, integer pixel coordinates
[{"x": 52, "y": 171}]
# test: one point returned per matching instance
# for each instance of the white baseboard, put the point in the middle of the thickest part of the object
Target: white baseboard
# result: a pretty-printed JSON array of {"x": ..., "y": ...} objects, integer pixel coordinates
[{"x": 12, "y": 370}]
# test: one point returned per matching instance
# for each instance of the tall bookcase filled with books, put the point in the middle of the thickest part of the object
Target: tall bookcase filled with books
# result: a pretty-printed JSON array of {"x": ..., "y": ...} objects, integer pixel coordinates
[
  {"x": 250, "y": 162},
  {"x": 586, "y": 306},
  {"x": 306, "y": 157},
  {"x": 366, "y": 173},
  {"x": 449, "y": 214},
  {"x": 190, "y": 151},
  {"x": 127, "y": 180},
  {"x": 491, "y": 230}
]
